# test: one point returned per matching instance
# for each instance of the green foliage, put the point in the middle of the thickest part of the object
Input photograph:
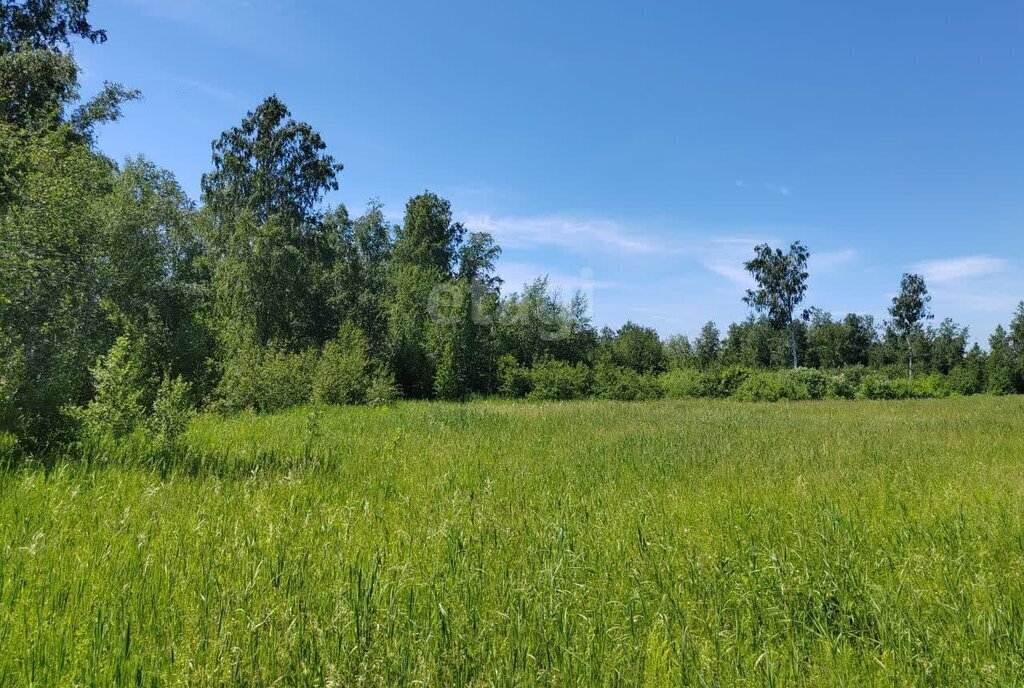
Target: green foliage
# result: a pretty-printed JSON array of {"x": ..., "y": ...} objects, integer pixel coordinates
[
  {"x": 707, "y": 346},
  {"x": 382, "y": 390},
  {"x": 447, "y": 383},
  {"x": 1016, "y": 348},
  {"x": 1000, "y": 374},
  {"x": 271, "y": 165},
  {"x": 265, "y": 380},
  {"x": 781, "y": 286},
  {"x": 909, "y": 310},
  {"x": 45, "y": 24},
  {"x": 816, "y": 383},
  {"x": 514, "y": 380},
  {"x": 729, "y": 380},
  {"x": 771, "y": 386},
  {"x": 613, "y": 382},
  {"x": 119, "y": 405},
  {"x": 687, "y": 383},
  {"x": 172, "y": 410},
  {"x": 537, "y": 324},
  {"x": 559, "y": 381},
  {"x": 881, "y": 386},
  {"x": 343, "y": 371},
  {"x": 638, "y": 349},
  {"x": 12, "y": 371}
]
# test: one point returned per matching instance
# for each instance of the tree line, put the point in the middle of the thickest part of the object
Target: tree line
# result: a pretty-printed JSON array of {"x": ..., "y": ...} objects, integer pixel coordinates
[{"x": 125, "y": 304}]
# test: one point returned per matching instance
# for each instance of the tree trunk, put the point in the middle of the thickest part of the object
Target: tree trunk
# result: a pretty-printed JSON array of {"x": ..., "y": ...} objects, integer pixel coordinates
[{"x": 792, "y": 345}]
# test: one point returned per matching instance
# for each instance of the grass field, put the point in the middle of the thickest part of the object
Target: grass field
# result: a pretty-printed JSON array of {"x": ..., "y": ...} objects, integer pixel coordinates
[{"x": 670, "y": 543}]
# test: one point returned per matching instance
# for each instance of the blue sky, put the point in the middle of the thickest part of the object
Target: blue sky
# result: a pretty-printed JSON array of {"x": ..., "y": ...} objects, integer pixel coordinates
[{"x": 636, "y": 151}]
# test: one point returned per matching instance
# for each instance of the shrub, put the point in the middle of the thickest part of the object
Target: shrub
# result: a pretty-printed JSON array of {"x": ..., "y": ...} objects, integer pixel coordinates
[
  {"x": 342, "y": 373},
  {"x": 265, "y": 380},
  {"x": 382, "y": 390},
  {"x": 559, "y": 381},
  {"x": 877, "y": 386},
  {"x": 814, "y": 381},
  {"x": 729, "y": 380},
  {"x": 839, "y": 386},
  {"x": 172, "y": 410},
  {"x": 932, "y": 386},
  {"x": 622, "y": 384},
  {"x": 967, "y": 380},
  {"x": 10, "y": 449},
  {"x": 688, "y": 383},
  {"x": 513, "y": 379},
  {"x": 772, "y": 386},
  {"x": 117, "y": 408},
  {"x": 12, "y": 368},
  {"x": 880, "y": 386}
]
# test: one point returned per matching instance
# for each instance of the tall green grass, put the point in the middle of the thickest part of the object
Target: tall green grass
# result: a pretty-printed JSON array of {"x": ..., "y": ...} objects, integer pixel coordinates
[{"x": 588, "y": 543}]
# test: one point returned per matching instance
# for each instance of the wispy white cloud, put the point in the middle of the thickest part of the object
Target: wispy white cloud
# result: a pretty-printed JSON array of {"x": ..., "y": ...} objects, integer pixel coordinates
[
  {"x": 830, "y": 261},
  {"x": 578, "y": 235},
  {"x": 964, "y": 267},
  {"x": 781, "y": 189},
  {"x": 725, "y": 256},
  {"x": 518, "y": 274},
  {"x": 207, "y": 89},
  {"x": 246, "y": 23}
]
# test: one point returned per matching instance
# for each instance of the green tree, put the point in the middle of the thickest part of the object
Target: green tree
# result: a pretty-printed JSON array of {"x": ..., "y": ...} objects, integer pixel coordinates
[
  {"x": 679, "y": 351},
  {"x": 269, "y": 247},
  {"x": 707, "y": 345},
  {"x": 119, "y": 406},
  {"x": 908, "y": 311},
  {"x": 638, "y": 348},
  {"x": 859, "y": 337},
  {"x": 536, "y": 324},
  {"x": 343, "y": 372},
  {"x": 359, "y": 286},
  {"x": 50, "y": 296},
  {"x": 948, "y": 346},
  {"x": 271, "y": 165},
  {"x": 827, "y": 340},
  {"x": 45, "y": 24},
  {"x": 999, "y": 373},
  {"x": 1017, "y": 347},
  {"x": 781, "y": 286},
  {"x": 422, "y": 263}
]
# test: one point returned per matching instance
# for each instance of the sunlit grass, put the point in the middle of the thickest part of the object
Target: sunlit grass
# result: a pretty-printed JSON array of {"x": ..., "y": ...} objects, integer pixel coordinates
[{"x": 847, "y": 543}]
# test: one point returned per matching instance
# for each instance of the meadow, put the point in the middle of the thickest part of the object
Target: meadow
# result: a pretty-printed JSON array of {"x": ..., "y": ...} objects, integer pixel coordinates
[{"x": 509, "y": 543}]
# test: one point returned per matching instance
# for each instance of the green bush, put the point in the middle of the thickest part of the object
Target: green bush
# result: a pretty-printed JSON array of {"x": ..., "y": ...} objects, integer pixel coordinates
[
  {"x": 686, "y": 383},
  {"x": 934, "y": 386},
  {"x": 772, "y": 386},
  {"x": 623, "y": 384},
  {"x": 839, "y": 385},
  {"x": 382, "y": 390},
  {"x": 342, "y": 373},
  {"x": 172, "y": 410},
  {"x": 118, "y": 407},
  {"x": 12, "y": 368},
  {"x": 815, "y": 381},
  {"x": 266, "y": 380},
  {"x": 729, "y": 380},
  {"x": 967, "y": 380},
  {"x": 877, "y": 386},
  {"x": 514, "y": 380},
  {"x": 559, "y": 381},
  {"x": 881, "y": 386}
]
